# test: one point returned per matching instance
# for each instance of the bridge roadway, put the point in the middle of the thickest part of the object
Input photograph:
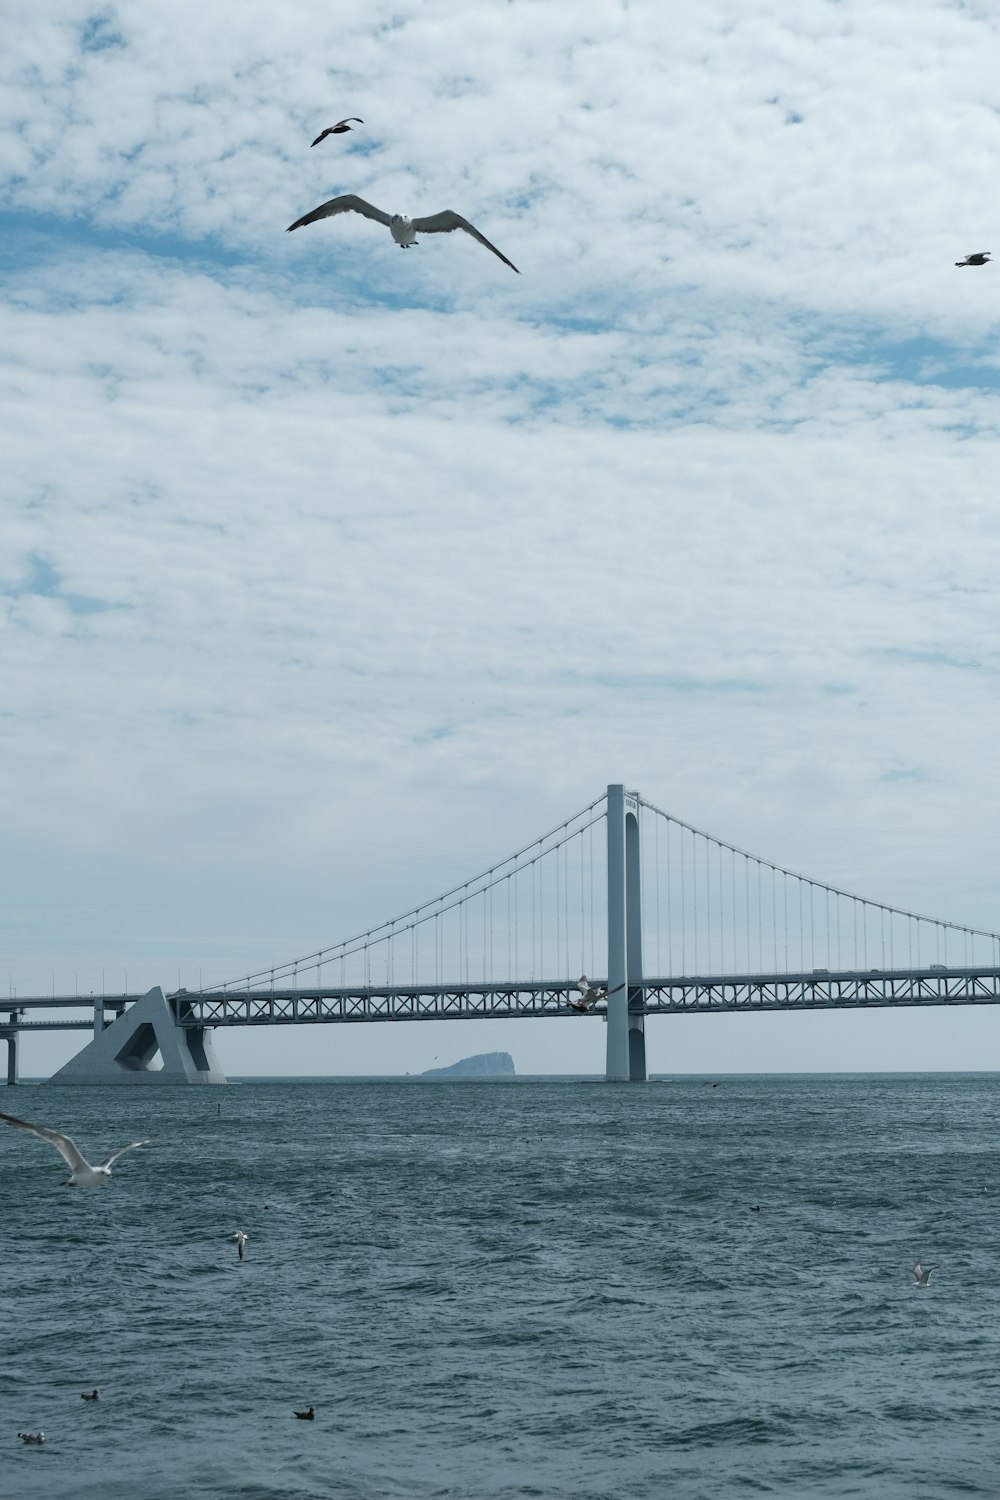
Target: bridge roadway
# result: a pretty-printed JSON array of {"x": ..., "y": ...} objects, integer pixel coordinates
[
  {"x": 816, "y": 989},
  {"x": 847, "y": 989}
]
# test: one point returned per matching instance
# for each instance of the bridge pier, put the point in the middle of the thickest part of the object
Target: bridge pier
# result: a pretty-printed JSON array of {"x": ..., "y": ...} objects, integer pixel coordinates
[
  {"x": 126, "y": 1051},
  {"x": 9, "y": 1034},
  {"x": 626, "y": 1058}
]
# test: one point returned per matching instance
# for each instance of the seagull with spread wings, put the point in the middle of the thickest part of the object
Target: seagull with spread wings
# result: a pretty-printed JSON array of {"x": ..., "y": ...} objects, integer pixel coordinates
[
  {"x": 81, "y": 1173},
  {"x": 980, "y": 258},
  {"x": 403, "y": 230},
  {"x": 591, "y": 994},
  {"x": 337, "y": 129}
]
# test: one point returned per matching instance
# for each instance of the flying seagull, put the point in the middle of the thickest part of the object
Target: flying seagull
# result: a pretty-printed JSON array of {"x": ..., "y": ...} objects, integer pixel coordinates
[
  {"x": 81, "y": 1173},
  {"x": 590, "y": 994},
  {"x": 307, "y": 1416},
  {"x": 32, "y": 1437},
  {"x": 240, "y": 1239},
  {"x": 403, "y": 230},
  {"x": 981, "y": 258},
  {"x": 90, "y": 1395},
  {"x": 921, "y": 1276},
  {"x": 337, "y": 129}
]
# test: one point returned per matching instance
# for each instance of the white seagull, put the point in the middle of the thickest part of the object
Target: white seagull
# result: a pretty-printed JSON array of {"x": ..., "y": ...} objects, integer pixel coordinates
[
  {"x": 403, "y": 230},
  {"x": 240, "y": 1239},
  {"x": 922, "y": 1276},
  {"x": 81, "y": 1173},
  {"x": 591, "y": 994},
  {"x": 32, "y": 1437}
]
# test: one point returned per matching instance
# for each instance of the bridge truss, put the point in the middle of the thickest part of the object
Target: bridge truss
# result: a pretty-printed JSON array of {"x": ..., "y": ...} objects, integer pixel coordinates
[{"x": 697, "y": 994}]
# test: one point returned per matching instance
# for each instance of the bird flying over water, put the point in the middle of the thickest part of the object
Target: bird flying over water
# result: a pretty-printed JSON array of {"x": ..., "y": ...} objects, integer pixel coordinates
[
  {"x": 590, "y": 994},
  {"x": 337, "y": 129},
  {"x": 403, "y": 230},
  {"x": 981, "y": 258},
  {"x": 240, "y": 1239},
  {"x": 921, "y": 1275},
  {"x": 81, "y": 1174},
  {"x": 32, "y": 1437}
]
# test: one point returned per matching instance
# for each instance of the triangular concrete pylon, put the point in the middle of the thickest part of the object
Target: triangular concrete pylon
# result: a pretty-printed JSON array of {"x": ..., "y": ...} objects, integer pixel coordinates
[{"x": 124, "y": 1050}]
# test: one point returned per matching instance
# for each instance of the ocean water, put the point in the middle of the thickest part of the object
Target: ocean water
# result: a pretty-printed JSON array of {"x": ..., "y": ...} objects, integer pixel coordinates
[{"x": 531, "y": 1288}]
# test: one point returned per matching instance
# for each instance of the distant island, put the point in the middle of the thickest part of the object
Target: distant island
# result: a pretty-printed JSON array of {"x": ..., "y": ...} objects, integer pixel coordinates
[{"x": 483, "y": 1065}]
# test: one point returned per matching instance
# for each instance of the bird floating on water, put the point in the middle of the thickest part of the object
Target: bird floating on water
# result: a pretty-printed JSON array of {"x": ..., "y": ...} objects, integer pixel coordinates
[
  {"x": 307, "y": 1416},
  {"x": 921, "y": 1275},
  {"x": 240, "y": 1239},
  {"x": 82, "y": 1174},
  {"x": 32, "y": 1437},
  {"x": 90, "y": 1395},
  {"x": 403, "y": 230},
  {"x": 981, "y": 258},
  {"x": 337, "y": 129}
]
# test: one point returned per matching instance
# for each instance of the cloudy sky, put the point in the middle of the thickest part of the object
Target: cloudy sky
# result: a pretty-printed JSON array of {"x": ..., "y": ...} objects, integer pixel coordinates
[{"x": 330, "y": 574}]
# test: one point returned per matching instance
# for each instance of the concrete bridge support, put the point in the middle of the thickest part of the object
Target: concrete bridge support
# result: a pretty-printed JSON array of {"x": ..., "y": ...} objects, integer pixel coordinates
[
  {"x": 127, "y": 1051},
  {"x": 9, "y": 1034},
  {"x": 626, "y": 1062}
]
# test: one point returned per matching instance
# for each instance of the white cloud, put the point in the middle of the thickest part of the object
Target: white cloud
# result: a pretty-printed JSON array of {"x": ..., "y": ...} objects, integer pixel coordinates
[{"x": 329, "y": 573}]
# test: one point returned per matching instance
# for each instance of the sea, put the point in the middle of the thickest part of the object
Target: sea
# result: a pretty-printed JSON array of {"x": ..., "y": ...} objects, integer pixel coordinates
[{"x": 697, "y": 1287}]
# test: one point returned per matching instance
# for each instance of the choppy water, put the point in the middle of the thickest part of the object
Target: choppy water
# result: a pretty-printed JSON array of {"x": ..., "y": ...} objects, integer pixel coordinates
[{"x": 523, "y": 1289}]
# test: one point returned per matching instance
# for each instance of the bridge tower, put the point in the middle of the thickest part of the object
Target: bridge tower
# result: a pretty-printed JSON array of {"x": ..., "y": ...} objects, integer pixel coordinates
[
  {"x": 626, "y": 1017},
  {"x": 9, "y": 1033}
]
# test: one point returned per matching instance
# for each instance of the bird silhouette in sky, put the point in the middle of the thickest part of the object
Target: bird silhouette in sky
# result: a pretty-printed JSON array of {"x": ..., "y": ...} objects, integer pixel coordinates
[
  {"x": 338, "y": 129},
  {"x": 403, "y": 230}
]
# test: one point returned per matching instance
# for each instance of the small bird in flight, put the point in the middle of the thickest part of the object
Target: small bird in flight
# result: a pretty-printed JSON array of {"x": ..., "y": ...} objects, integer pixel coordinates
[
  {"x": 590, "y": 994},
  {"x": 32, "y": 1437},
  {"x": 82, "y": 1174},
  {"x": 307, "y": 1416},
  {"x": 337, "y": 129},
  {"x": 90, "y": 1395},
  {"x": 921, "y": 1276},
  {"x": 240, "y": 1239},
  {"x": 981, "y": 258},
  {"x": 403, "y": 230}
]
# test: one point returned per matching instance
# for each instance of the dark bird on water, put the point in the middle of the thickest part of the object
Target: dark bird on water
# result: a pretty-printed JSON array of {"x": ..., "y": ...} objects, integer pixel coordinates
[
  {"x": 90, "y": 1395},
  {"x": 403, "y": 230},
  {"x": 337, "y": 129},
  {"x": 981, "y": 258},
  {"x": 307, "y": 1416}
]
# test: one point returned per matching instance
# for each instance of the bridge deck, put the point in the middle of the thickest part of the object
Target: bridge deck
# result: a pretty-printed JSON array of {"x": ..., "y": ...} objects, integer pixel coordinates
[
  {"x": 706, "y": 994},
  {"x": 710, "y": 993}
]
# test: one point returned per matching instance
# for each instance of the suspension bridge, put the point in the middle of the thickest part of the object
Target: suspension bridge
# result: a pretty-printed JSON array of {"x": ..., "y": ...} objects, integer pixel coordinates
[{"x": 619, "y": 889}]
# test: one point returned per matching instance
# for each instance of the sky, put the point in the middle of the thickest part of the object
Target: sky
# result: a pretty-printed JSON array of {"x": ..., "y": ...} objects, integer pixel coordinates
[{"x": 330, "y": 574}]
